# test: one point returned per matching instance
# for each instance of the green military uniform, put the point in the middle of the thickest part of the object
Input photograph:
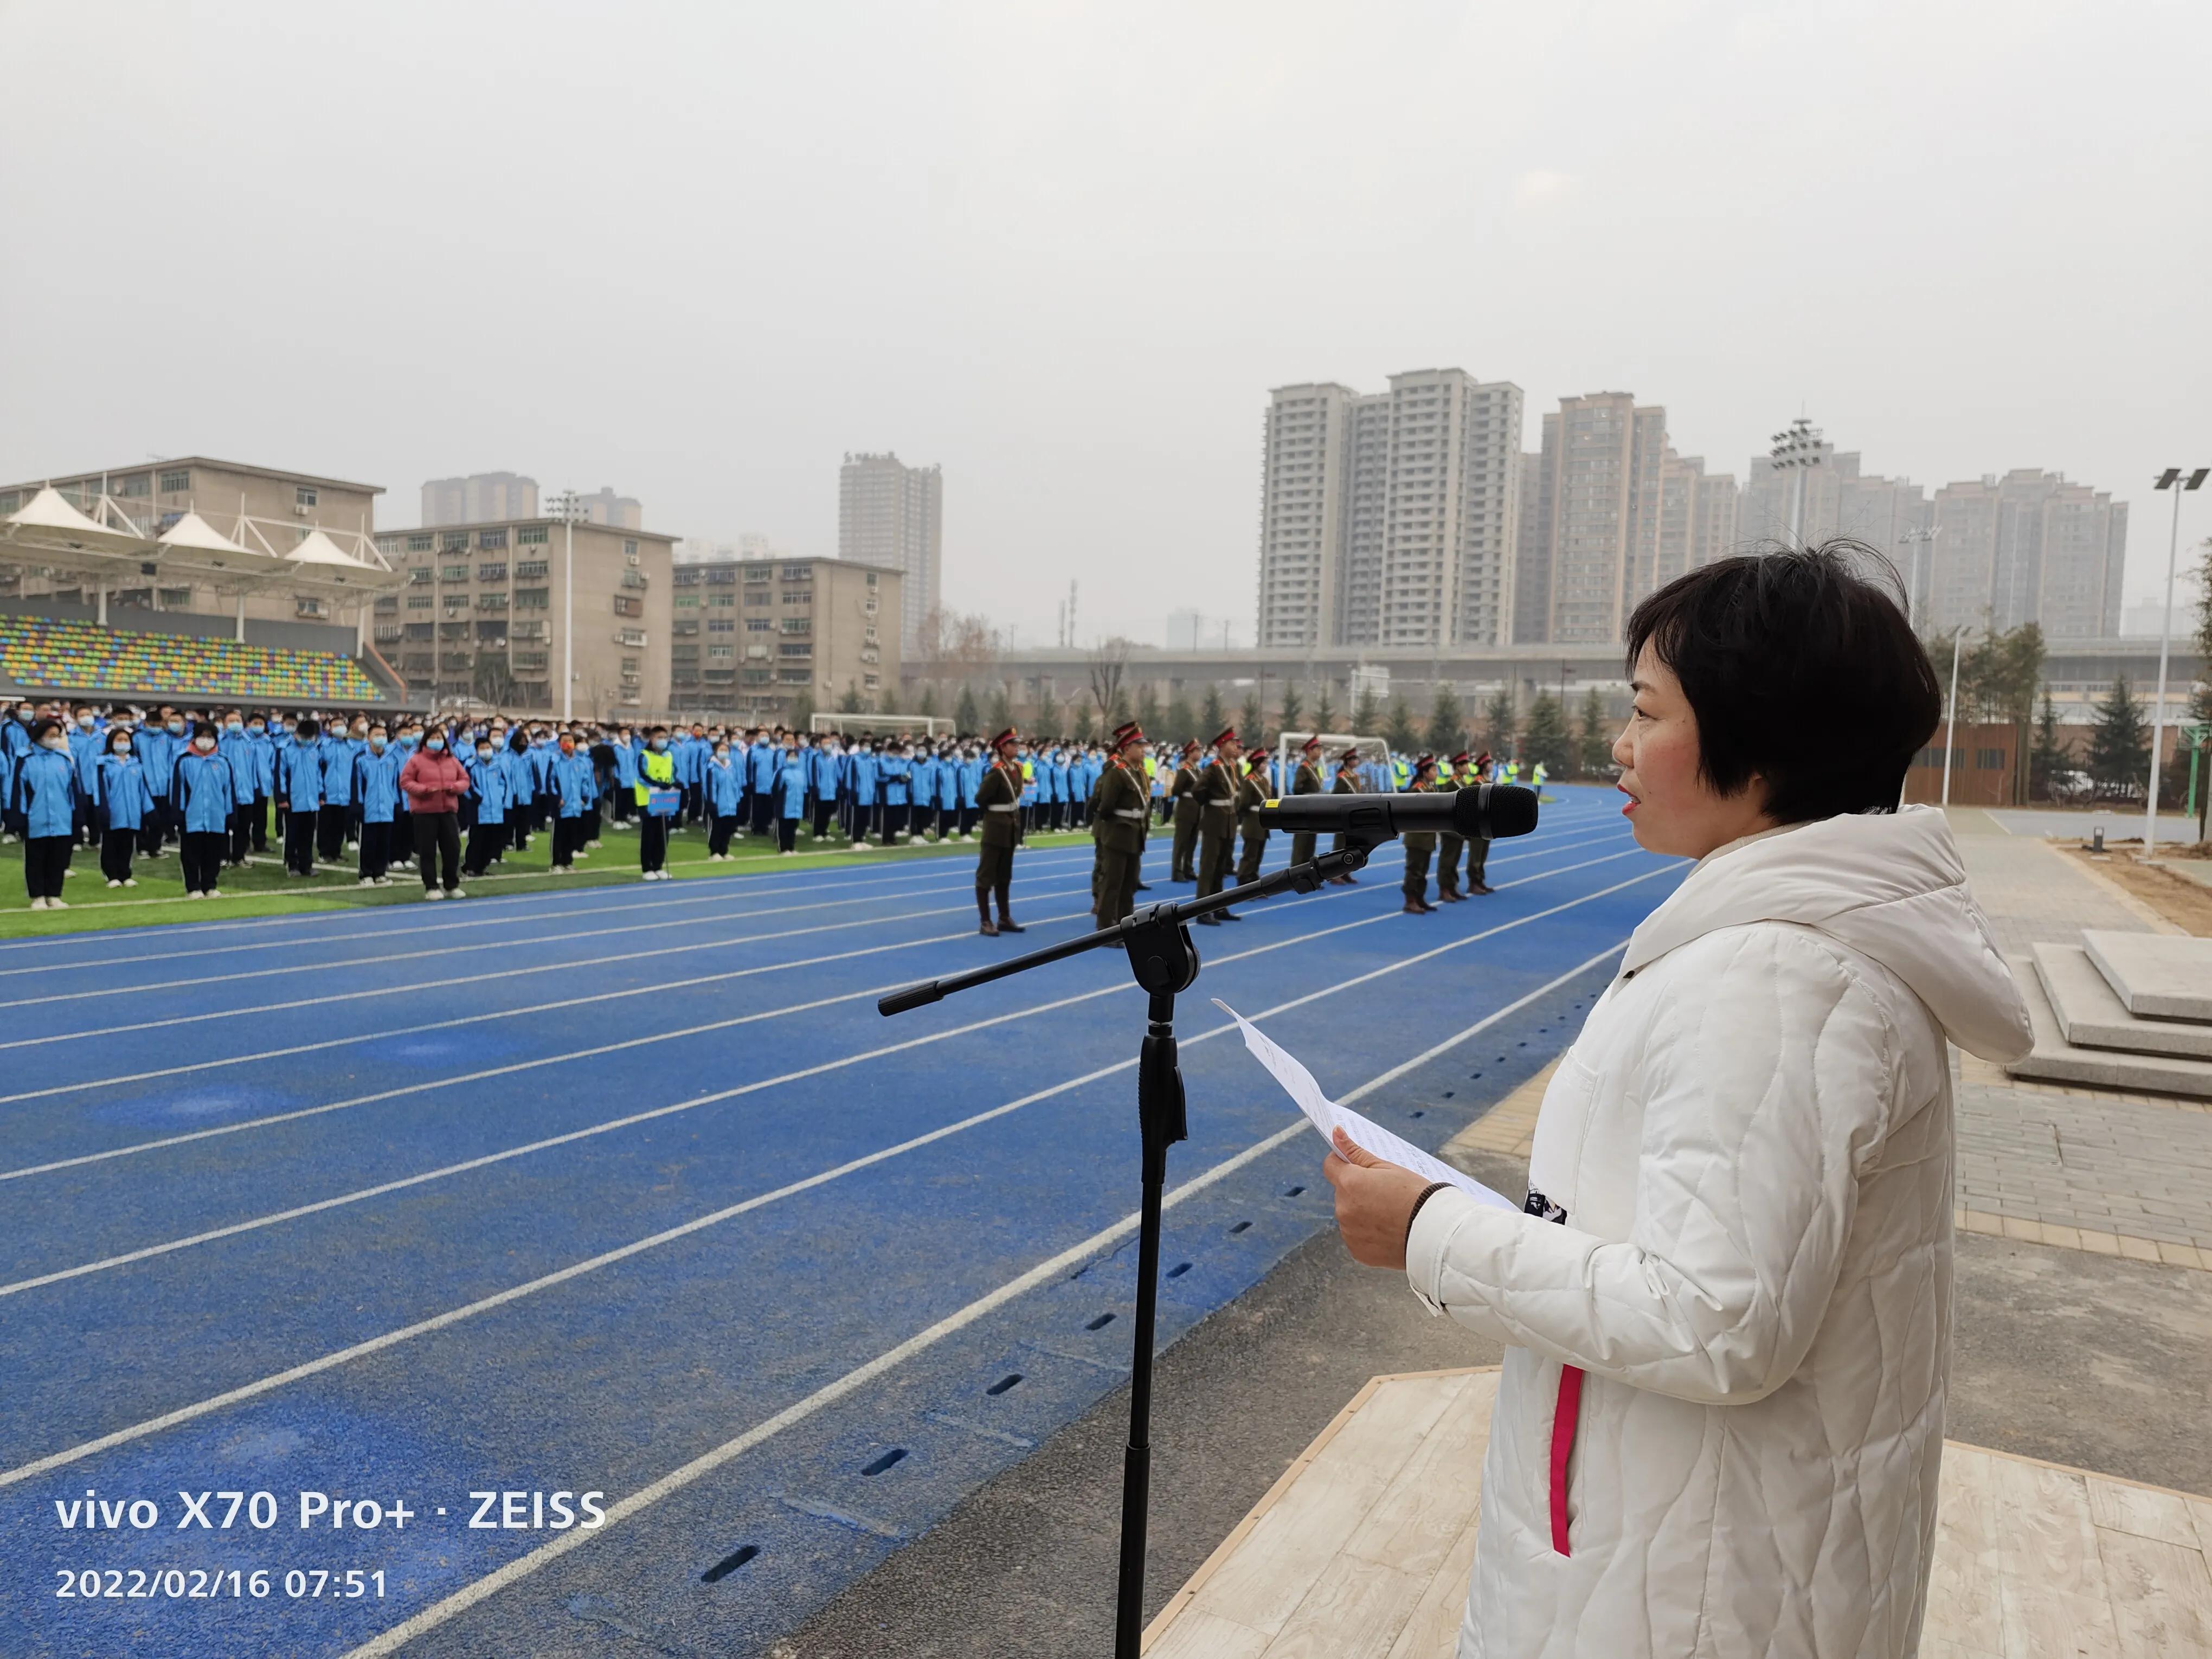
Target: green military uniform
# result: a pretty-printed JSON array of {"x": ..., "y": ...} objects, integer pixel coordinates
[
  {"x": 998, "y": 798},
  {"x": 1452, "y": 845},
  {"x": 1308, "y": 782},
  {"x": 1120, "y": 806},
  {"x": 1217, "y": 827},
  {"x": 1420, "y": 846},
  {"x": 1182, "y": 790},
  {"x": 1251, "y": 794},
  {"x": 1347, "y": 783}
]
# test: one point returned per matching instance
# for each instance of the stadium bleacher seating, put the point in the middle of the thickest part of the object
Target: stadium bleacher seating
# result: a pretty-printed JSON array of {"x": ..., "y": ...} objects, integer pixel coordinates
[{"x": 38, "y": 653}]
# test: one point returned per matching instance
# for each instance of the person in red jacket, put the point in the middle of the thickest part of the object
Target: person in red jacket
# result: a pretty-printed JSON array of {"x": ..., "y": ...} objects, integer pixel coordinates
[{"x": 433, "y": 783}]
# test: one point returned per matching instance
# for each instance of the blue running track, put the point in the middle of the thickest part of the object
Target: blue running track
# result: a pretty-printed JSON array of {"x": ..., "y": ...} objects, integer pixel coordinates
[{"x": 631, "y": 1193}]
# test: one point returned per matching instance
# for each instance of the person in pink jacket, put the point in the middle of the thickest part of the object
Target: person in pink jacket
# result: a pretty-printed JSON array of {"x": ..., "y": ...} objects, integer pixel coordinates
[
  {"x": 1726, "y": 1302},
  {"x": 434, "y": 783}
]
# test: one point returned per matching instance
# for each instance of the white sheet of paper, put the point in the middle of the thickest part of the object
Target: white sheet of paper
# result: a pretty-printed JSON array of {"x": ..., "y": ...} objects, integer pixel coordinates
[{"x": 1326, "y": 1117}]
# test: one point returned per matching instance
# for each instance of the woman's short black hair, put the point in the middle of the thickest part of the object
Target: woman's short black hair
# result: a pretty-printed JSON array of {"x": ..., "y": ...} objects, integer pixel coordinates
[
  {"x": 306, "y": 728},
  {"x": 1802, "y": 670}
]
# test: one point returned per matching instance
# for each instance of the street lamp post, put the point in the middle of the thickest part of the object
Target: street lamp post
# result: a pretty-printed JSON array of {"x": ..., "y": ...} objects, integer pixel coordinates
[
  {"x": 1797, "y": 447},
  {"x": 567, "y": 507},
  {"x": 1915, "y": 540},
  {"x": 1951, "y": 719},
  {"x": 2174, "y": 479}
]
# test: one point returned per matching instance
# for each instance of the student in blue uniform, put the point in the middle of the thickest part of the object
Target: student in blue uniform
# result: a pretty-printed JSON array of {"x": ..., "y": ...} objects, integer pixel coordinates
[
  {"x": 156, "y": 752},
  {"x": 791, "y": 797},
  {"x": 334, "y": 755},
  {"x": 124, "y": 804},
  {"x": 861, "y": 789},
  {"x": 488, "y": 793},
  {"x": 893, "y": 773},
  {"x": 921, "y": 791},
  {"x": 570, "y": 774},
  {"x": 376, "y": 786},
  {"x": 725, "y": 795},
  {"x": 300, "y": 795},
  {"x": 761, "y": 759},
  {"x": 84, "y": 755},
  {"x": 828, "y": 781},
  {"x": 625, "y": 791},
  {"x": 237, "y": 751},
  {"x": 264, "y": 757},
  {"x": 207, "y": 795},
  {"x": 46, "y": 786}
]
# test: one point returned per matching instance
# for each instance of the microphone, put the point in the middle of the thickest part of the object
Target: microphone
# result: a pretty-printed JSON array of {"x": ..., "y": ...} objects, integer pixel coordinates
[{"x": 1490, "y": 810}]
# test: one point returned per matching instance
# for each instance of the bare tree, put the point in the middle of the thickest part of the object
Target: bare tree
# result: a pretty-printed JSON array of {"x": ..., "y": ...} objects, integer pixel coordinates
[
  {"x": 1109, "y": 660},
  {"x": 953, "y": 648}
]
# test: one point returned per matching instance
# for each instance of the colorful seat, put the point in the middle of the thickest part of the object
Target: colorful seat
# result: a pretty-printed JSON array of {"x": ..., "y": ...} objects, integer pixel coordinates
[{"x": 38, "y": 654}]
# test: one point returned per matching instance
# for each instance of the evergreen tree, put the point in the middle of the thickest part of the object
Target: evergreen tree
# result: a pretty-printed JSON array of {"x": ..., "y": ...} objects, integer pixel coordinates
[
  {"x": 1148, "y": 712},
  {"x": 1251, "y": 722},
  {"x": 850, "y": 702},
  {"x": 1178, "y": 723},
  {"x": 1546, "y": 742},
  {"x": 1324, "y": 715},
  {"x": 1398, "y": 727},
  {"x": 1211, "y": 714},
  {"x": 888, "y": 702},
  {"x": 1499, "y": 723},
  {"x": 1048, "y": 712},
  {"x": 967, "y": 714},
  {"x": 1595, "y": 740},
  {"x": 2047, "y": 759},
  {"x": 928, "y": 704},
  {"x": 802, "y": 710},
  {"x": 1366, "y": 714},
  {"x": 2119, "y": 743},
  {"x": 1080, "y": 728},
  {"x": 1293, "y": 708},
  {"x": 1002, "y": 710},
  {"x": 1446, "y": 724}
]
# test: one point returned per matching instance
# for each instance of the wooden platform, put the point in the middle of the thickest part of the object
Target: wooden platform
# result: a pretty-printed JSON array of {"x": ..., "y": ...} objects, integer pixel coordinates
[{"x": 1363, "y": 1549}]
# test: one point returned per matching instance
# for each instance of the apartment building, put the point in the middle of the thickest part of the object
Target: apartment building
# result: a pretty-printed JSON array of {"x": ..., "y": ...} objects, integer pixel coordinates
[
  {"x": 2030, "y": 546},
  {"x": 483, "y": 615},
  {"x": 758, "y": 638},
  {"x": 1389, "y": 519},
  {"x": 478, "y": 498},
  {"x": 891, "y": 516}
]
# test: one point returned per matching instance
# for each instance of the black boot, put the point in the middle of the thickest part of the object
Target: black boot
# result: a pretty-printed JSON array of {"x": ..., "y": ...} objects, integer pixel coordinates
[
  {"x": 989, "y": 929},
  {"x": 1006, "y": 922}
]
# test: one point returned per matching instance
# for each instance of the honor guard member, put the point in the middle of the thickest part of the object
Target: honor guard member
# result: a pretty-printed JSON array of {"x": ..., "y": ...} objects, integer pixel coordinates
[
  {"x": 1120, "y": 807},
  {"x": 1451, "y": 776},
  {"x": 1216, "y": 825},
  {"x": 999, "y": 797},
  {"x": 1347, "y": 783},
  {"x": 1420, "y": 843},
  {"x": 1478, "y": 846},
  {"x": 1182, "y": 791},
  {"x": 1308, "y": 782},
  {"x": 1252, "y": 794}
]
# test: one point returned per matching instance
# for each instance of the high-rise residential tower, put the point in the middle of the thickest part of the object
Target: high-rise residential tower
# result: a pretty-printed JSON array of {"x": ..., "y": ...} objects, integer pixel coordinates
[
  {"x": 892, "y": 514},
  {"x": 1390, "y": 519},
  {"x": 479, "y": 498},
  {"x": 2028, "y": 547}
]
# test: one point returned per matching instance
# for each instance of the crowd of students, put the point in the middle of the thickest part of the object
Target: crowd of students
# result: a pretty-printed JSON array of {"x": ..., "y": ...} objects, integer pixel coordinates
[{"x": 447, "y": 799}]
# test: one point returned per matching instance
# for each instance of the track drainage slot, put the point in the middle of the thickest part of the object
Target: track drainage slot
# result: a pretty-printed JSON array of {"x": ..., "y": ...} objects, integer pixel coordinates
[
  {"x": 1179, "y": 1270},
  {"x": 1292, "y": 1192},
  {"x": 1099, "y": 1323},
  {"x": 1004, "y": 1383},
  {"x": 1238, "y": 1228},
  {"x": 728, "y": 1564},
  {"x": 890, "y": 1460},
  {"x": 1420, "y": 1114}
]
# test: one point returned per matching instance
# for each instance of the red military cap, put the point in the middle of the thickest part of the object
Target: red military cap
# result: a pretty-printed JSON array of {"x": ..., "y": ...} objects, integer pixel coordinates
[
  {"x": 1350, "y": 757},
  {"x": 1429, "y": 761},
  {"x": 1312, "y": 744},
  {"x": 1006, "y": 736},
  {"x": 1190, "y": 748},
  {"x": 1128, "y": 733},
  {"x": 1229, "y": 736},
  {"x": 1460, "y": 759}
]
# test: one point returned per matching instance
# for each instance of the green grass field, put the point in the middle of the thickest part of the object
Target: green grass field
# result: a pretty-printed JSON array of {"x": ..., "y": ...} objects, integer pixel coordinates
[{"x": 263, "y": 889}]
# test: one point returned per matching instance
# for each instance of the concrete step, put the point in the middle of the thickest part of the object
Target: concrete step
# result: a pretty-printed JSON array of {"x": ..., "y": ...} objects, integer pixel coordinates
[
  {"x": 2054, "y": 1060},
  {"x": 2163, "y": 975},
  {"x": 2090, "y": 1015}
]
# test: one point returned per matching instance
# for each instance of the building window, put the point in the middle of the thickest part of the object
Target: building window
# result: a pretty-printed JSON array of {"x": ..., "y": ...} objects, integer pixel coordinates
[
  {"x": 630, "y": 549},
  {"x": 176, "y": 484},
  {"x": 798, "y": 624},
  {"x": 387, "y": 605},
  {"x": 759, "y": 624},
  {"x": 686, "y": 601},
  {"x": 626, "y": 606},
  {"x": 491, "y": 601},
  {"x": 418, "y": 601},
  {"x": 721, "y": 625},
  {"x": 174, "y": 598},
  {"x": 725, "y": 601},
  {"x": 760, "y": 599},
  {"x": 633, "y": 637},
  {"x": 633, "y": 578},
  {"x": 453, "y": 540},
  {"x": 527, "y": 569},
  {"x": 418, "y": 544},
  {"x": 629, "y": 665},
  {"x": 803, "y": 597},
  {"x": 872, "y": 577},
  {"x": 720, "y": 653},
  {"x": 492, "y": 538},
  {"x": 304, "y": 496},
  {"x": 759, "y": 573},
  {"x": 533, "y": 598},
  {"x": 794, "y": 651},
  {"x": 799, "y": 573},
  {"x": 532, "y": 535},
  {"x": 529, "y": 660},
  {"x": 452, "y": 572},
  {"x": 491, "y": 573},
  {"x": 388, "y": 632},
  {"x": 309, "y": 607}
]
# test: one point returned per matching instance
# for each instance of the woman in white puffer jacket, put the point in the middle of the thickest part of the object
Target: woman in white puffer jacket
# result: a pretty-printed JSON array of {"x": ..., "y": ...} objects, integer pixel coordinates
[{"x": 1721, "y": 1416}]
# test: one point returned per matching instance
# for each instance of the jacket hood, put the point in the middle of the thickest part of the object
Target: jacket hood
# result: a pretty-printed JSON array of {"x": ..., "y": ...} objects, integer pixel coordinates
[{"x": 1889, "y": 885}]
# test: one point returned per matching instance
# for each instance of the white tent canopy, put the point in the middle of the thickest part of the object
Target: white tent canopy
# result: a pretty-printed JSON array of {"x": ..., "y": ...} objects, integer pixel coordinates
[
  {"x": 195, "y": 532},
  {"x": 47, "y": 520}
]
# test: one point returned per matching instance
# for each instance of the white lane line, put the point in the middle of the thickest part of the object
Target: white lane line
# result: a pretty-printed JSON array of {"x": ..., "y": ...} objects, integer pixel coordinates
[
  {"x": 876, "y": 880},
  {"x": 436, "y": 1614},
  {"x": 423, "y": 1177},
  {"x": 526, "y": 1009}
]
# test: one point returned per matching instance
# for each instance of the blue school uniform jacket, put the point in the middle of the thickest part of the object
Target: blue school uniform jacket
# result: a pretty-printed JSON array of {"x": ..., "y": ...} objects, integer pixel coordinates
[
  {"x": 123, "y": 791},
  {"x": 893, "y": 770},
  {"x": 791, "y": 786},
  {"x": 725, "y": 786},
  {"x": 376, "y": 783},
  {"x": 300, "y": 775},
  {"x": 625, "y": 766},
  {"x": 948, "y": 783},
  {"x": 489, "y": 778},
  {"x": 765, "y": 759},
  {"x": 336, "y": 758},
  {"x": 45, "y": 786},
  {"x": 921, "y": 780},
  {"x": 237, "y": 752},
  {"x": 206, "y": 793},
  {"x": 575, "y": 782},
  {"x": 864, "y": 778}
]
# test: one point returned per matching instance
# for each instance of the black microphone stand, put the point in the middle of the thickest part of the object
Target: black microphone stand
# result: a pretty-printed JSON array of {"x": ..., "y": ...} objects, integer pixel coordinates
[{"x": 1164, "y": 960}]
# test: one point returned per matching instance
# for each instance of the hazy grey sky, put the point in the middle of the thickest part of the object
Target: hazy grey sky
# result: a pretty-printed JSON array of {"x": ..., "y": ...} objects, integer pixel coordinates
[{"x": 696, "y": 251}]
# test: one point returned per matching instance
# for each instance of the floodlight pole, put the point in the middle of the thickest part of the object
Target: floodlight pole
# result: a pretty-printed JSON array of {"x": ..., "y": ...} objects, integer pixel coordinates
[
  {"x": 2174, "y": 479},
  {"x": 1796, "y": 447},
  {"x": 1915, "y": 540},
  {"x": 1951, "y": 721}
]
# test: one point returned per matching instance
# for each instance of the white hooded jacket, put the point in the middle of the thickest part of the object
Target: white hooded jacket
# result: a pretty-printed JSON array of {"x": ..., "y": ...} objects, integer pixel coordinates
[{"x": 1752, "y": 1142}]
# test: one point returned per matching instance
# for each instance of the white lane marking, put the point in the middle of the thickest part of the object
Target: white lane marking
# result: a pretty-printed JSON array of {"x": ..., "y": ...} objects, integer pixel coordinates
[
  {"x": 521, "y": 1011},
  {"x": 621, "y": 1253},
  {"x": 423, "y": 1177}
]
